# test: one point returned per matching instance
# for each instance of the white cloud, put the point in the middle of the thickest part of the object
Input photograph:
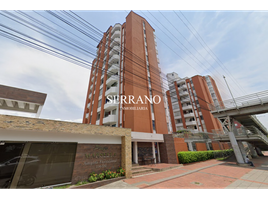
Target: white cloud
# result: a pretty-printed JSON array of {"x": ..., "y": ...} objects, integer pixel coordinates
[{"x": 64, "y": 83}]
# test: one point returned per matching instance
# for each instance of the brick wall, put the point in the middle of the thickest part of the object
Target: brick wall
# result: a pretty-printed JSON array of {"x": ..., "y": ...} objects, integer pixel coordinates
[
  {"x": 95, "y": 158},
  {"x": 167, "y": 150}
]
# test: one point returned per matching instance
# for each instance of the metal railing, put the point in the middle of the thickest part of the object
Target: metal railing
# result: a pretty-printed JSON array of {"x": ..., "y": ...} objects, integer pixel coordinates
[{"x": 244, "y": 101}]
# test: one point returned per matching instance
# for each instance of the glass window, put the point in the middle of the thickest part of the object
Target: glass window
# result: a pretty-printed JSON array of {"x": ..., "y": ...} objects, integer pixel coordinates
[
  {"x": 153, "y": 125},
  {"x": 99, "y": 103},
  {"x": 100, "y": 93},
  {"x": 152, "y": 108},
  {"x": 9, "y": 157},
  {"x": 48, "y": 164}
]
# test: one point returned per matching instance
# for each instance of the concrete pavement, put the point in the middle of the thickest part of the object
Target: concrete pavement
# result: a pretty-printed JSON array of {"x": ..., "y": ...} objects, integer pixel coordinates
[{"x": 211, "y": 174}]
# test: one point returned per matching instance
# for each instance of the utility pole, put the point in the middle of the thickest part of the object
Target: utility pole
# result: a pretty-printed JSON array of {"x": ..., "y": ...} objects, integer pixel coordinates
[{"x": 230, "y": 92}]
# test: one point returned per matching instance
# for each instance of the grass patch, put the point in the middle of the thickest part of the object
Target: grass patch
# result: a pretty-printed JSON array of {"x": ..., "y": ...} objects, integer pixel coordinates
[{"x": 62, "y": 187}]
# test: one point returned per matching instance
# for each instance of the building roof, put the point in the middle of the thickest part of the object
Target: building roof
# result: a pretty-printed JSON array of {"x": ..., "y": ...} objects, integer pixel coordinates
[{"x": 17, "y": 99}]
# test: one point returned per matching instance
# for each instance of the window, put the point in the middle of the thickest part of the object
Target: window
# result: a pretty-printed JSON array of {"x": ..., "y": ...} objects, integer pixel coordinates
[
  {"x": 98, "y": 115},
  {"x": 176, "y": 107},
  {"x": 152, "y": 108},
  {"x": 150, "y": 91},
  {"x": 101, "y": 92},
  {"x": 44, "y": 160},
  {"x": 153, "y": 125},
  {"x": 99, "y": 103},
  {"x": 174, "y": 99},
  {"x": 201, "y": 117}
]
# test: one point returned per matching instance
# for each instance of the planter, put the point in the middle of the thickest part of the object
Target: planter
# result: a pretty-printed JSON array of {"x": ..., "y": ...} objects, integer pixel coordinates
[{"x": 97, "y": 183}]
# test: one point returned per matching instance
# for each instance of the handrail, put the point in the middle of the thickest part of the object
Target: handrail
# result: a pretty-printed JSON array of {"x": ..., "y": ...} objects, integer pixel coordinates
[{"x": 243, "y": 101}]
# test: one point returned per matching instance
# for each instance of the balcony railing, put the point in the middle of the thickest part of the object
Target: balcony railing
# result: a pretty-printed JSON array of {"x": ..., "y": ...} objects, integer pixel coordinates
[
  {"x": 116, "y": 27},
  {"x": 115, "y": 42},
  {"x": 111, "y": 80},
  {"x": 189, "y": 123},
  {"x": 116, "y": 34},
  {"x": 112, "y": 91},
  {"x": 113, "y": 68},
  {"x": 114, "y": 58},
  {"x": 189, "y": 115},
  {"x": 114, "y": 50},
  {"x": 187, "y": 107},
  {"x": 110, "y": 119},
  {"x": 110, "y": 106}
]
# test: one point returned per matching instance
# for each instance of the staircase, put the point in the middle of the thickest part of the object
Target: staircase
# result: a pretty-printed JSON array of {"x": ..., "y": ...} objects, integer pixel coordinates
[{"x": 138, "y": 170}]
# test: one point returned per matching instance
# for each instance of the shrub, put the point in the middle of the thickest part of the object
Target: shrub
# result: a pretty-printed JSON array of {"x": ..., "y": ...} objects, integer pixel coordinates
[
  {"x": 121, "y": 171},
  {"x": 101, "y": 176},
  {"x": 93, "y": 179},
  {"x": 195, "y": 156}
]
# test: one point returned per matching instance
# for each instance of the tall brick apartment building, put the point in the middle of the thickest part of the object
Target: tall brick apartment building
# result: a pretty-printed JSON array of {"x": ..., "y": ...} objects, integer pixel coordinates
[
  {"x": 127, "y": 66},
  {"x": 188, "y": 100}
]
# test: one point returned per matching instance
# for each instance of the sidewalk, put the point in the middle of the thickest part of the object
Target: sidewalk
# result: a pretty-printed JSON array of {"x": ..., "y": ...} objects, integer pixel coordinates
[{"x": 211, "y": 174}]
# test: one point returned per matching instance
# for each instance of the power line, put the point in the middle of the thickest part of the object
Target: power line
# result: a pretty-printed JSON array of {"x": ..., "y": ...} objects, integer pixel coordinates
[
  {"x": 181, "y": 48},
  {"x": 217, "y": 59},
  {"x": 47, "y": 50}
]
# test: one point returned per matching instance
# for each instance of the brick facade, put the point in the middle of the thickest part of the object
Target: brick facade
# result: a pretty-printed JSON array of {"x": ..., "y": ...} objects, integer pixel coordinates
[
  {"x": 95, "y": 158},
  {"x": 167, "y": 150},
  {"x": 201, "y": 146}
]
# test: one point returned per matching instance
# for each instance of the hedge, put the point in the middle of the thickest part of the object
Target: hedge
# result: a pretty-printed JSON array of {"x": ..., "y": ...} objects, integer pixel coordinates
[{"x": 195, "y": 156}]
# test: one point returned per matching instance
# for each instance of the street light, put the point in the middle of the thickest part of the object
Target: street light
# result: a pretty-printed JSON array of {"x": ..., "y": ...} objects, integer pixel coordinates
[{"x": 230, "y": 92}]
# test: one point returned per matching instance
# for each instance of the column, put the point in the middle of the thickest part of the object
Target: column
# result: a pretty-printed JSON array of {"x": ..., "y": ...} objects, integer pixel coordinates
[
  {"x": 242, "y": 149},
  {"x": 237, "y": 151},
  {"x": 135, "y": 152},
  {"x": 190, "y": 144},
  {"x": 158, "y": 153},
  {"x": 153, "y": 151},
  {"x": 207, "y": 146},
  {"x": 252, "y": 151}
]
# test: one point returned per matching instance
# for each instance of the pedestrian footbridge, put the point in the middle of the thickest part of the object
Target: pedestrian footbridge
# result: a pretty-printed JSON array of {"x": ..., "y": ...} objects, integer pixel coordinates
[{"x": 242, "y": 109}]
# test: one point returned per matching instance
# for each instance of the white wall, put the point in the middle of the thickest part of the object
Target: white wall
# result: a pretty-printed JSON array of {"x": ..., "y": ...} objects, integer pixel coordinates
[{"x": 11, "y": 135}]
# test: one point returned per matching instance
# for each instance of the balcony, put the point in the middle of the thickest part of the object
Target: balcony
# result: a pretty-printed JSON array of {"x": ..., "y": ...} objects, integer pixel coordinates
[
  {"x": 110, "y": 106},
  {"x": 111, "y": 80},
  {"x": 112, "y": 91},
  {"x": 190, "y": 123},
  {"x": 105, "y": 52},
  {"x": 183, "y": 93},
  {"x": 179, "y": 124},
  {"x": 114, "y": 50},
  {"x": 187, "y": 107},
  {"x": 116, "y": 27},
  {"x": 177, "y": 117},
  {"x": 110, "y": 119},
  {"x": 182, "y": 87},
  {"x": 185, "y": 100},
  {"x": 97, "y": 122},
  {"x": 113, "y": 59},
  {"x": 115, "y": 42},
  {"x": 113, "y": 69},
  {"x": 116, "y": 34},
  {"x": 188, "y": 115},
  {"x": 181, "y": 81}
]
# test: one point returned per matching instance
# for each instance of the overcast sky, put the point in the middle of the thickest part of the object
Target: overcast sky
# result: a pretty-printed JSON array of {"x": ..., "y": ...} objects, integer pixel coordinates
[{"x": 238, "y": 39}]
